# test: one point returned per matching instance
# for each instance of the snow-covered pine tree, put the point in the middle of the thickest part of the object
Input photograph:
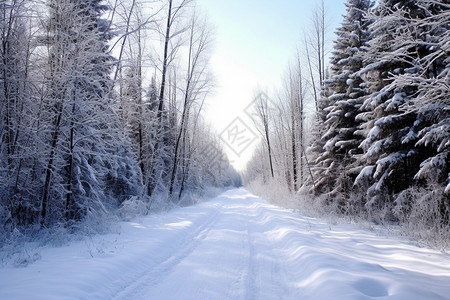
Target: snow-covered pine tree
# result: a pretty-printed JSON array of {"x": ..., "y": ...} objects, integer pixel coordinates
[
  {"x": 433, "y": 101},
  {"x": 426, "y": 37},
  {"x": 390, "y": 157},
  {"x": 83, "y": 138},
  {"x": 344, "y": 96}
]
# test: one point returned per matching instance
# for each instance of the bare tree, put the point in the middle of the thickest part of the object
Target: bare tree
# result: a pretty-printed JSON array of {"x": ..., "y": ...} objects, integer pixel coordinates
[
  {"x": 197, "y": 82},
  {"x": 262, "y": 111},
  {"x": 172, "y": 41},
  {"x": 173, "y": 12},
  {"x": 297, "y": 99},
  {"x": 17, "y": 103},
  {"x": 315, "y": 52}
]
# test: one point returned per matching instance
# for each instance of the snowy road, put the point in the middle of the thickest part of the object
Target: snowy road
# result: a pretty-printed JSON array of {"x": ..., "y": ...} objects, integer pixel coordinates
[{"x": 236, "y": 246}]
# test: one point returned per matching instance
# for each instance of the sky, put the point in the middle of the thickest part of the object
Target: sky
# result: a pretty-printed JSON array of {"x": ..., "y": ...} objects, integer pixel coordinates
[{"x": 254, "y": 41}]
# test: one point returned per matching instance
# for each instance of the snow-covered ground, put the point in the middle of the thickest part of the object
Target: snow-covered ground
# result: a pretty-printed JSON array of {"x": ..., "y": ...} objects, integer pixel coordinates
[{"x": 235, "y": 246}]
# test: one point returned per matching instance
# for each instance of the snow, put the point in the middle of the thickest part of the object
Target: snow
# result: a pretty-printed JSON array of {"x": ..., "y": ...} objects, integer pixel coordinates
[
  {"x": 396, "y": 101},
  {"x": 374, "y": 133},
  {"x": 235, "y": 246}
]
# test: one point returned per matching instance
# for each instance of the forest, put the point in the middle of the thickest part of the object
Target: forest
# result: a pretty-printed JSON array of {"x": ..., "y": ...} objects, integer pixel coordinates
[
  {"x": 115, "y": 183},
  {"x": 375, "y": 143},
  {"x": 100, "y": 110}
]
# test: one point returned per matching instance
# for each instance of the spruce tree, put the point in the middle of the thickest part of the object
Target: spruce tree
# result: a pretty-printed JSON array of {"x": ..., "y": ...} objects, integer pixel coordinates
[
  {"x": 428, "y": 43},
  {"x": 344, "y": 94},
  {"x": 390, "y": 158},
  {"x": 84, "y": 140}
]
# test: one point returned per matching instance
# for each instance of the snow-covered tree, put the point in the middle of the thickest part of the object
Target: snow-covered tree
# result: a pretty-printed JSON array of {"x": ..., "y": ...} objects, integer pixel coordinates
[
  {"x": 425, "y": 36},
  {"x": 431, "y": 44},
  {"x": 392, "y": 150},
  {"x": 196, "y": 86},
  {"x": 344, "y": 92},
  {"x": 18, "y": 107},
  {"x": 83, "y": 136}
]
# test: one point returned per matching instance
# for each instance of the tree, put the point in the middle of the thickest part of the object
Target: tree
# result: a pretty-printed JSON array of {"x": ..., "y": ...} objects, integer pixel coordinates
[
  {"x": 291, "y": 133},
  {"x": 172, "y": 42},
  {"x": 390, "y": 156},
  {"x": 83, "y": 135},
  {"x": 17, "y": 118},
  {"x": 263, "y": 113},
  {"x": 297, "y": 103},
  {"x": 345, "y": 94},
  {"x": 424, "y": 36},
  {"x": 196, "y": 85},
  {"x": 315, "y": 54}
]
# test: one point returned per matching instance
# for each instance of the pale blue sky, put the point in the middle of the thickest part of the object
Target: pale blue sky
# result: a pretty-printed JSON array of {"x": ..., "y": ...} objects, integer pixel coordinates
[{"x": 254, "y": 41}]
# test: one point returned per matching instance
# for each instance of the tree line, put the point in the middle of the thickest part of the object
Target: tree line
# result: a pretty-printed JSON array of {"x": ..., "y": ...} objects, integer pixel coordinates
[
  {"x": 369, "y": 135},
  {"x": 101, "y": 102}
]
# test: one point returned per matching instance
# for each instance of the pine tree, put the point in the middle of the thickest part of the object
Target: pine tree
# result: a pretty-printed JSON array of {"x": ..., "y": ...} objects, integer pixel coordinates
[
  {"x": 433, "y": 101},
  {"x": 84, "y": 140},
  {"x": 428, "y": 43},
  {"x": 339, "y": 144},
  {"x": 390, "y": 134}
]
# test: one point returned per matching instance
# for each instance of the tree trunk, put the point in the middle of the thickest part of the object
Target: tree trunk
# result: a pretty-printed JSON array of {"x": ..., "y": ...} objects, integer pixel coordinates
[
  {"x": 69, "y": 198},
  {"x": 165, "y": 61},
  {"x": 49, "y": 168},
  {"x": 266, "y": 127}
]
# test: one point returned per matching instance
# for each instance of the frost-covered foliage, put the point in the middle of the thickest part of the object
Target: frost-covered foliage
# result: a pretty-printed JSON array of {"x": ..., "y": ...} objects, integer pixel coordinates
[
  {"x": 388, "y": 132},
  {"x": 384, "y": 147},
  {"x": 17, "y": 122},
  {"x": 402, "y": 119},
  {"x": 67, "y": 156},
  {"x": 81, "y": 140},
  {"x": 344, "y": 91},
  {"x": 432, "y": 102}
]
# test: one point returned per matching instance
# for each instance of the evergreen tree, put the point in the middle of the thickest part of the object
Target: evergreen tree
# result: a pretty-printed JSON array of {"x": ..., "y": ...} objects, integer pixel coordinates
[
  {"x": 390, "y": 134},
  {"x": 339, "y": 144},
  {"x": 428, "y": 43},
  {"x": 85, "y": 132},
  {"x": 433, "y": 101}
]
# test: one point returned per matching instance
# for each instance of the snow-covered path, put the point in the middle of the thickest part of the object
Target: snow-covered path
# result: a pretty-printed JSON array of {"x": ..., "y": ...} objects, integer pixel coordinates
[{"x": 235, "y": 246}]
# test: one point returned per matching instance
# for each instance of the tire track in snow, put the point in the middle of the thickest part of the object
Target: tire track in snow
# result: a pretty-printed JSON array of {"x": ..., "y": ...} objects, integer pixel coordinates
[
  {"x": 252, "y": 276},
  {"x": 266, "y": 269},
  {"x": 157, "y": 272}
]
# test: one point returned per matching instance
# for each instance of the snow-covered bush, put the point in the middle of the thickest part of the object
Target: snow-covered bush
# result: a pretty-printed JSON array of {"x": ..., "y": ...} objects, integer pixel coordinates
[
  {"x": 424, "y": 212},
  {"x": 274, "y": 191},
  {"x": 134, "y": 207}
]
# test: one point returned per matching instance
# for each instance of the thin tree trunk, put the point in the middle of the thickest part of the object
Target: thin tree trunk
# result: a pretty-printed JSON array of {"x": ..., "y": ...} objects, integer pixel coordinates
[
  {"x": 159, "y": 113},
  {"x": 122, "y": 47},
  {"x": 311, "y": 73},
  {"x": 294, "y": 150},
  {"x": 299, "y": 118},
  {"x": 323, "y": 40},
  {"x": 49, "y": 168},
  {"x": 69, "y": 206},
  {"x": 269, "y": 149},
  {"x": 141, "y": 108},
  {"x": 175, "y": 159},
  {"x": 186, "y": 163},
  {"x": 165, "y": 62}
]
